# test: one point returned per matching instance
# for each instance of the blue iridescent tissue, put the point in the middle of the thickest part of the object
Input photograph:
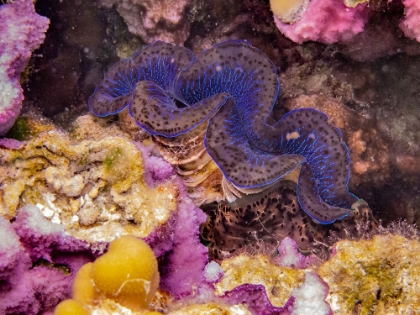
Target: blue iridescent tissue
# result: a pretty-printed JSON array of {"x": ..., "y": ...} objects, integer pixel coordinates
[{"x": 232, "y": 87}]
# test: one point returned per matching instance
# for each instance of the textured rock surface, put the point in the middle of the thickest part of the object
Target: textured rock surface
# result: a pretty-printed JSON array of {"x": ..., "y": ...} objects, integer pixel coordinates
[
  {"x": 91, "y": 182},
  {"x": 154, "y": 20},
  {"x": 380, "y": 276}
]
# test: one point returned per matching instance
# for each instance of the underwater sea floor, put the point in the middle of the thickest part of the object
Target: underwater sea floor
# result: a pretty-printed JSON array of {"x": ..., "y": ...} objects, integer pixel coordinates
[{"x": 270, "y": 162}]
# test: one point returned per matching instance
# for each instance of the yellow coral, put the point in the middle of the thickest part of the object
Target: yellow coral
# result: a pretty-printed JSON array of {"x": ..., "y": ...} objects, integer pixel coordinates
[
  {"x": 378, "y": 276},
  {"x": 212, "y": 309},
  {"x": 71, "y": 307},
  {"x": 83, "y": 287},
  {"x": 278, "y": 281},
  {"x": 127, "y": 273},
  {"x": 124, "y": 280}
]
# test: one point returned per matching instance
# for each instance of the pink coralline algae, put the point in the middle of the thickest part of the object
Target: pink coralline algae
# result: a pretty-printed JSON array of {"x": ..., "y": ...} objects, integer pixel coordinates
[
  {"x": 21, "y": 32},
  {"x": 177, "y": 241},
  {"x": 411, "y": 22},
  {"x": 326, "y": 21},
  {"x": 186, "y": 261},
  {"x": 10, "y": 143},
  {"x": 32, "y": 250}
]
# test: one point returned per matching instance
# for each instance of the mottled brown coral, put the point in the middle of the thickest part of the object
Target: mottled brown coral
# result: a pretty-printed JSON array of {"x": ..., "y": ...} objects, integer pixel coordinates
[
  {"x": 258, "y": 222},
  {"x": 91, "y": 182}
]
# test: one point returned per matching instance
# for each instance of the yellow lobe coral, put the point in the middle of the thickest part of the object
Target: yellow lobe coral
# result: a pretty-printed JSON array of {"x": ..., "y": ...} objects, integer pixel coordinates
[
  {"x": 127, "y": 273},
  {"x": 83, "y": 288},
  {"x": 70, "y": 307},
  {"x": 289, "y": 11},
  {"x": 212, "y": 309}
]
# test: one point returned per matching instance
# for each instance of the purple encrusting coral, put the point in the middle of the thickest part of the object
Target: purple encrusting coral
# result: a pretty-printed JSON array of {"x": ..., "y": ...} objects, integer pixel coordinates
[
  {"x": 21, "y": 32},
  {"x": 10, "y": 143},
  {"x": 156, "y": 169},
  {"x": 179, "y": 238},
  {"x": 188, "y": 257},
  {"x": 256, "y": 298},
  {"x": 38, "y": 263}
]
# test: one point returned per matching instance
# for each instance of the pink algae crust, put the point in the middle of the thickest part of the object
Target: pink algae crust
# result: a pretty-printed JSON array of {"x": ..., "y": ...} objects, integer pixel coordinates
[
  {"x": 410, "y": 25},
  {"x": 38, "y": 263},
  {"x": 21, "y": 32},
  {"x": 326, "y": 21}
]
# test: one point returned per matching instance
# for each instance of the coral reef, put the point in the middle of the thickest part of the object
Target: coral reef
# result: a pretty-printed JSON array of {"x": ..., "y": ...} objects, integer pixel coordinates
[
  {"x": 234, "y": 96},
  {"x": 326, "y": 21},
  {"x": 21, "y": 32},
  {"x": 154, "y": 20},
  {"x": 116, "y": 188},
  {"x": 210, "y": 124}
]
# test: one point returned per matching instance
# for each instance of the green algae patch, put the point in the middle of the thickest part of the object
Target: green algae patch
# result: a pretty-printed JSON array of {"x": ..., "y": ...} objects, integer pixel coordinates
[
  {"x": 26, "y": 128},
  {"x": 20, "y": 130},
  {"x": 377, "y": 276},
  {"x": 112, "y": 158}
]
